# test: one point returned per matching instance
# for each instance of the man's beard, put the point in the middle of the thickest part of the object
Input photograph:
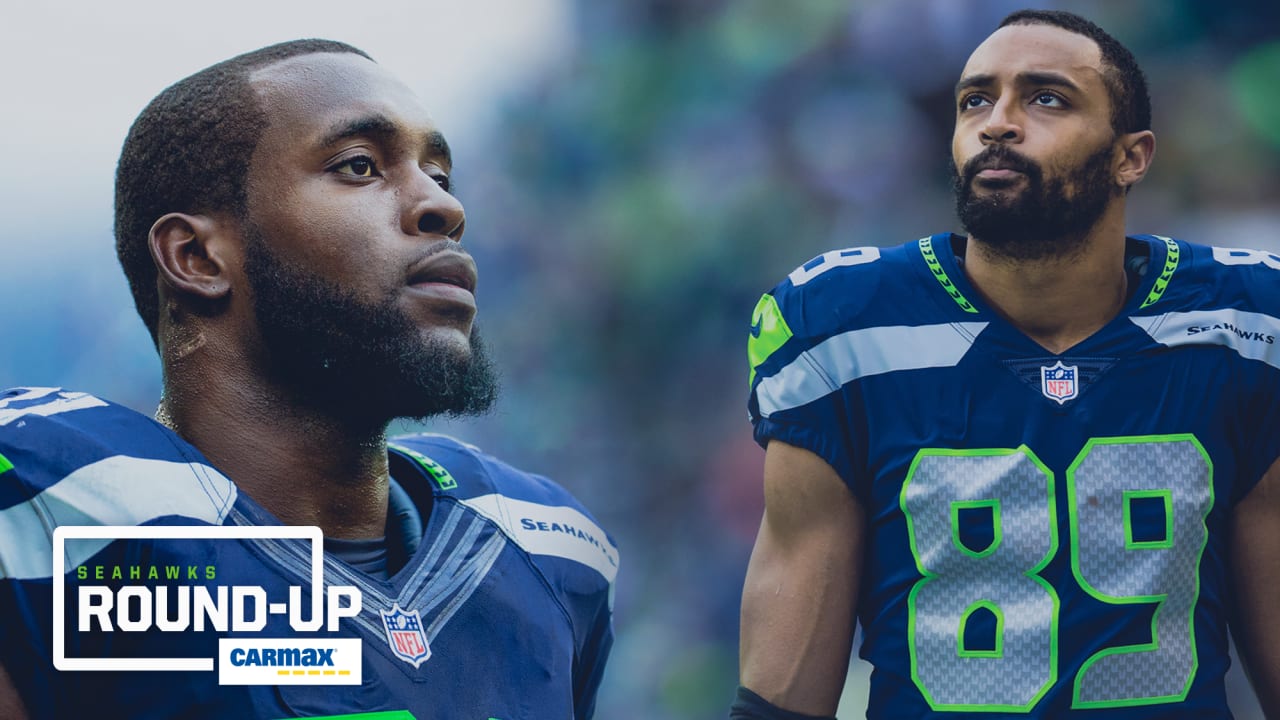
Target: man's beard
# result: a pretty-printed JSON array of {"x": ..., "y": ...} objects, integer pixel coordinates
[
  {"x": 1041, "y": 221},
  {"x": 363, "y": 363}
]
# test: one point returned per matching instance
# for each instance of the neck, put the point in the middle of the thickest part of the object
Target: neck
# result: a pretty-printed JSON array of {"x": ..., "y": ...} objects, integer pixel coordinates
[
  {"x": 302, "y": 465},
  {"x": 1061, "y": 300}
]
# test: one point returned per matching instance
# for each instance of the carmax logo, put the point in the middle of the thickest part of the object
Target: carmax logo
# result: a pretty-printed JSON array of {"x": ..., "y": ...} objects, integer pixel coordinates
[{"x": 305, "y": 661}]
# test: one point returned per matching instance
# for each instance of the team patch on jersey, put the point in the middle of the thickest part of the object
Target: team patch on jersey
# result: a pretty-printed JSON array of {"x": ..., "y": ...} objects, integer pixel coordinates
[
  {"x": 1059, "y": 382},
  {"x": 404, "y": 635}
]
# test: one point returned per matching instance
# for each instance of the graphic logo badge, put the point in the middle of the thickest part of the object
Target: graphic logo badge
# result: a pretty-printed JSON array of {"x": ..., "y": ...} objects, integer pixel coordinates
[
  {"x": 1059, "y": 382},
  {"x": 142, "y": 598},
  {"x": 404, "y": 635}
]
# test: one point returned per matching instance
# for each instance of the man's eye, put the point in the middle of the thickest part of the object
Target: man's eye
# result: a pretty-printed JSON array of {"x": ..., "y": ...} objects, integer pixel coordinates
[
  {"x": 1048, "y": 100},
  {"x": 971, "y": 101},
  {"x": 358, "y": 166},
  {"x": 444, "y": 182}
]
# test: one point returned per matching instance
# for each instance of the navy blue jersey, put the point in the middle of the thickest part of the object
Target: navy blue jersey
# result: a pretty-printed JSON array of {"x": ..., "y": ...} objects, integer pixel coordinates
[
  {"x": 502, "y": 608},
  {"x": 1046, "y": 533}
]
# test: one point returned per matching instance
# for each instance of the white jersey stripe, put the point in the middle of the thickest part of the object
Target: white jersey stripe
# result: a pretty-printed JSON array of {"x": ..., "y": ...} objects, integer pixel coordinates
[
  {"x": 550, "y": 530},
  {"x": 64, "y": 402},
  {"x": 118, "y": 490},
  {"x": 1252, "y": 335},
  {"x": 846, "y": 357}
]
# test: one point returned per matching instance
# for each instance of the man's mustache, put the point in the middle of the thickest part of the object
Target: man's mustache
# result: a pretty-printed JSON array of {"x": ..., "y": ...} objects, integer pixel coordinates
[{"x": 1000, "y": 157}]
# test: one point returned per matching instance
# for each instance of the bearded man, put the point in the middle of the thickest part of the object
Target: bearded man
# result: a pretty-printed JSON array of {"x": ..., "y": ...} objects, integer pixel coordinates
[
  {"x": 1036, "y": 462},
  {"x": 286, "y": 225}
]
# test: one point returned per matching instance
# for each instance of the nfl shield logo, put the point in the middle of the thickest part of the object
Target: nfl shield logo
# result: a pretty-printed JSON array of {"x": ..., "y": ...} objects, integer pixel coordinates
[
  {"x": 1059, "y": 382},
  {"x": 404, "y": 635}
]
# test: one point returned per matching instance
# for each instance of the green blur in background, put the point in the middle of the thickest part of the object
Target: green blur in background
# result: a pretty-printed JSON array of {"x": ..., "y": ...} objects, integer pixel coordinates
[{"x": 635, "y": 198}]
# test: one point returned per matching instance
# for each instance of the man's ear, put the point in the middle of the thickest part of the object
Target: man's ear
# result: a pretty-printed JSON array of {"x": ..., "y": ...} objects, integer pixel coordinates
[
  {"x": 1139, "y": 150},
  {"x": 193, "y": 254}
]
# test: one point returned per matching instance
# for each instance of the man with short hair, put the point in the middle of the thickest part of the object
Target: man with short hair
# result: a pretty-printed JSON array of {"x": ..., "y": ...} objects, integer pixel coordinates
[
  {"x": 286, "y": 225},
  {"x": 1037, "y": 462}
]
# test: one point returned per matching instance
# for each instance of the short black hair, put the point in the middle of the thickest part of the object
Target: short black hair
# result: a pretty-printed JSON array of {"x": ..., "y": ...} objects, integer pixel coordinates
[
  {"x": 1126, "y": 84},
  {"x": 189, "y": 151}
]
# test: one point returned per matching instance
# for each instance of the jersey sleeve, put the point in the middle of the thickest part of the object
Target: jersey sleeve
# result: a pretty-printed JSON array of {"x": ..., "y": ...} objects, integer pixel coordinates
[
  {"x": 594, "y": 654},
  {"x": 799, "y": 358},
  {"x": 26, "y": 604},
  {"x": 1265, "y": 417},
  {"x": 1259, "y": 272},
  {"x": 71, "y": 459},
  {"x": 1229, "y": 298}
]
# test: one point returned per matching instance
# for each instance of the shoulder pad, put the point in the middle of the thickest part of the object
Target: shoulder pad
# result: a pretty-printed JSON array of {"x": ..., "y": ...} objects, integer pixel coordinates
[
  {"x": 69, "y": 458},
  {"x": 533, "y": 511}
]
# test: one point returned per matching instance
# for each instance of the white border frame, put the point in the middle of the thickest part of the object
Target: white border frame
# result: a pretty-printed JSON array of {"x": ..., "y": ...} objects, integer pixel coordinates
[{"x": 167, "y": 532}]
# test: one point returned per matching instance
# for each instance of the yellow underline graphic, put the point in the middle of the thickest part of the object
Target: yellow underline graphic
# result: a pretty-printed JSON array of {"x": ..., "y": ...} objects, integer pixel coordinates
[{"x": 313, "y": 672}]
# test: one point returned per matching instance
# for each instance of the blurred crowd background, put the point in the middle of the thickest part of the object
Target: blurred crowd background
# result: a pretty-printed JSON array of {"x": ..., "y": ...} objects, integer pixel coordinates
[{"x": 629, "y": 200}]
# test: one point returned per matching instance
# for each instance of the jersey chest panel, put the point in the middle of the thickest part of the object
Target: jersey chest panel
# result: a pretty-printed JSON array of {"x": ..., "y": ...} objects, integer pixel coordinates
[{"x": 1074, "y": 532}]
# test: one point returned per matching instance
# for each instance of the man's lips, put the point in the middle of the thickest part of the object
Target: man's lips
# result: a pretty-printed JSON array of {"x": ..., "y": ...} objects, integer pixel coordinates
[
  {"x": 446, "y": 280},
  {"x": 446, "y": 268},
  {"x": 999, "y": 166},
  {"x": 998, "y": 174}
]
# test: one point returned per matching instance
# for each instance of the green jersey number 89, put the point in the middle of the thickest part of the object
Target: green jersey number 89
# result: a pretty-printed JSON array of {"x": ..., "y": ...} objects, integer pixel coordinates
[{"x": 1110, "y": 561}]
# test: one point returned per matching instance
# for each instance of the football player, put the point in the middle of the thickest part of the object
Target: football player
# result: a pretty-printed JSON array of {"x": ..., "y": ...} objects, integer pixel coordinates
[
  {"x": 1038, "y": 461},
  {"x": 286, "y": 224}
]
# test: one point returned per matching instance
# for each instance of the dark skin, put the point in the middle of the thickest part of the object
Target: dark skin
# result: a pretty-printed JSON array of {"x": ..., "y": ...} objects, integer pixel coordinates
[
  {"x": 802, "y": 583},
  {"x": 349, "y": 180},
  {"x": 1039, "y": 90},
  {"x": 11, "y": 705},
  {"x": 800, "y": 593}
]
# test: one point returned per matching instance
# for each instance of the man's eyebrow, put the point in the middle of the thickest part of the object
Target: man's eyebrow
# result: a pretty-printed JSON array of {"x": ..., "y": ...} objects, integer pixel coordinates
[
  {"x": 374, "y": 127},
  {"x": 1026, "y": 78},
  {"x": 382, "y": 129},
  {"x": 974, "y": 81}
]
